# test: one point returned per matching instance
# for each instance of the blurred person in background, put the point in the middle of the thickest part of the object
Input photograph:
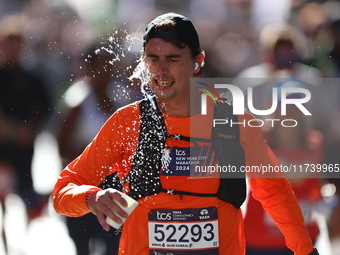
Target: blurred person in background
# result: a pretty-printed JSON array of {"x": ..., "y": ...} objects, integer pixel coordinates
[
  {"x": 334, "y": 55},
  {"x": 328, "y": 59},
  {"x": 7, "y": 185},
  {"x": 281, "y": 56},
  {"x": 12, "y": 212},
  {"x": 313, "y": 20},
  {"x": 322, "y": 23},
  {"x": 24, "y": 105},
  {"x": 84, "y": 108},
  {"x": 295, "y": 146},
  {"x": 55, "y": 35},
  {"x": 332, "y": 148}
]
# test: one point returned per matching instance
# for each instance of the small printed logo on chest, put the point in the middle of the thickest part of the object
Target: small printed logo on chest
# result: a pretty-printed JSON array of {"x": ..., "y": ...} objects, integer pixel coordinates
[
  {"x": 166, "y": 159},
  {"x": 227, "y": 136},
  {"x": 204, "y": 214},
  {"x": 180, "y": 152}
]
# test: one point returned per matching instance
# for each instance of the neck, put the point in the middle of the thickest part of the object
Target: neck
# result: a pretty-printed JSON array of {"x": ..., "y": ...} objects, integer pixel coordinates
[
  {"x": 181, "y": 108},
  {"x": 178, "y": 110}
]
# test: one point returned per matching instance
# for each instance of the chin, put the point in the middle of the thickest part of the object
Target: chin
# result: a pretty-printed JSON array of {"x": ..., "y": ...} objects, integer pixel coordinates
[{"x": 164, "y": 95}]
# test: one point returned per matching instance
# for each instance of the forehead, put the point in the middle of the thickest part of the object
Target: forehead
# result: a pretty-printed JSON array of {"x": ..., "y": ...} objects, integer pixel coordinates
[{"x": 158, "y": 46}]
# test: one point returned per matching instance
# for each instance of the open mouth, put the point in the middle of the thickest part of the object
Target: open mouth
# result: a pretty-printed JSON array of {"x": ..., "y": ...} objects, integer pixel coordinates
[{"x": 164, "y": 84}]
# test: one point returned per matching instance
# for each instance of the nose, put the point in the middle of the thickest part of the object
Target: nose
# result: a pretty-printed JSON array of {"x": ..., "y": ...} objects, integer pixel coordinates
[{"x": 161, "y": 68}]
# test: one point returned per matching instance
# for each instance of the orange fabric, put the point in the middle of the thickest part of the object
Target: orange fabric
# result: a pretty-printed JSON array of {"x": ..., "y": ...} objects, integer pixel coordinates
[
  {"x": 260, "y": 231},
  {"x": 113, "y": 148}
]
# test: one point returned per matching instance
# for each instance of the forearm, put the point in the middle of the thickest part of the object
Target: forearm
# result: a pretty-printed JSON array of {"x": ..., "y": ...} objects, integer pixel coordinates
[
  {"x": 69, "y": 194},
  {"x": 70, "y": 200}
]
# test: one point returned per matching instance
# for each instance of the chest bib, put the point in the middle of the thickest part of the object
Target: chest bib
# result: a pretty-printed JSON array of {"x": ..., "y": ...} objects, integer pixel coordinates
[{"x": 183, "y": 231}]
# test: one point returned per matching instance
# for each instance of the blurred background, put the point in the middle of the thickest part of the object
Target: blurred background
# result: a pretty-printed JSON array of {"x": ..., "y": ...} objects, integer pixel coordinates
[{"x": 63, "y": 71}]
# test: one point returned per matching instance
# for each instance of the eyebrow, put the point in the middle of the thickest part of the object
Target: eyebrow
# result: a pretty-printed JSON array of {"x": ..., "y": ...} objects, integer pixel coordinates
[
  {"x": 168, "y": 56},
  {"x": 174, "y": 56}
]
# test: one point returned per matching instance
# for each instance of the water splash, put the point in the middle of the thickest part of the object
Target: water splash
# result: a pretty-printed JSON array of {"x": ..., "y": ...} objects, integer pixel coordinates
[
  {"x": 141, "y": 73},
  {"x": 126, "y": 63}
]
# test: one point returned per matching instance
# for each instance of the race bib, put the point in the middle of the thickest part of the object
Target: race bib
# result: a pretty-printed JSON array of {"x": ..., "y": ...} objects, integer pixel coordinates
[{"x": 183, "y": 231}]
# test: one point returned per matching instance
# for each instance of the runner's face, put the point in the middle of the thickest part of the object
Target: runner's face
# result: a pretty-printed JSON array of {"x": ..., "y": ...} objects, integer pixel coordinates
[{"x": 170, "y": 67}]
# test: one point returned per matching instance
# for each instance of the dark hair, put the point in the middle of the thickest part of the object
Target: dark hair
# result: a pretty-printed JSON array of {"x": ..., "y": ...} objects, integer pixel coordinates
[{"x": 170, "y": 26}]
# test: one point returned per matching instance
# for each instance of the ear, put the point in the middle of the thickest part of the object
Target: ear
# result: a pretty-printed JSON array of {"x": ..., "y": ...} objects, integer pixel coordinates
[{"x": 199, "y": 62}]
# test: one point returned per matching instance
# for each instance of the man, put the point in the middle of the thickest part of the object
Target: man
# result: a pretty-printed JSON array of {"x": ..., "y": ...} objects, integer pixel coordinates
[
  {"x": 24, "y": 108},
  {"x": 281, "y": 50},
  {"x": 163, "y": 222}
]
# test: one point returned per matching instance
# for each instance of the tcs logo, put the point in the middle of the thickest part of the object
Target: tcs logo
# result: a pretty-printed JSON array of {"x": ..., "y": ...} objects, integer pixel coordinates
[
  {"x": 180, "y": 152},
  {"x": 163, "y": 216}
]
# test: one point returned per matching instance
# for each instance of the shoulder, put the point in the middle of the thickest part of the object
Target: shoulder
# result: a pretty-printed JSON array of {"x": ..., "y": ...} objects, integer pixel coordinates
[
  {"x": 250, "y": 128},
  {"x": 246, "y": 117},
  {"x": 305, "y": 71},
  {"x": 257, "y": 71},
  {"x": 124, "y": 122},
  {"x": 131, "y": 109},
  {"x": 128, "y": 115}
]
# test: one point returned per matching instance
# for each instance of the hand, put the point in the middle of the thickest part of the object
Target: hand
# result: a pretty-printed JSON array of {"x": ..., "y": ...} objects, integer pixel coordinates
[{"x": 105, "y": 202}]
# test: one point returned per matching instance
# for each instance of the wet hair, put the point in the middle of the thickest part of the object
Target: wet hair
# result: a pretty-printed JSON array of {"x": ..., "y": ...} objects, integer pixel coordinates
[
  {"x": 169, "y": 25},
  {"x": 172, "y": 28}
]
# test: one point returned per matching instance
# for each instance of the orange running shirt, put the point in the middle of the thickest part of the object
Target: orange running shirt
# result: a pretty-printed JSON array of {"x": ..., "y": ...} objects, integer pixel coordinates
[
  {"x": 113, "y": 150},
  {"x": 260, "y": 231}
]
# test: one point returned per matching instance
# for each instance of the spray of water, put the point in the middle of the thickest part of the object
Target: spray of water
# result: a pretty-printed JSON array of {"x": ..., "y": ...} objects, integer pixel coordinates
[
  {"x": 127, "y": 63},
  {"x": 145, "y": 175},
  {"x": 142, "y": 75}
]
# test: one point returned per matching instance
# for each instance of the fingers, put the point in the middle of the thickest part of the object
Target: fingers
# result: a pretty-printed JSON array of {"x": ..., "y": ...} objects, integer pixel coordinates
[
  {"x": 102, "y": 221},
  {"x": 105, "y": 203},
  {"x": 110, "y": 207},
  {"x": 117, "y": 196}
]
